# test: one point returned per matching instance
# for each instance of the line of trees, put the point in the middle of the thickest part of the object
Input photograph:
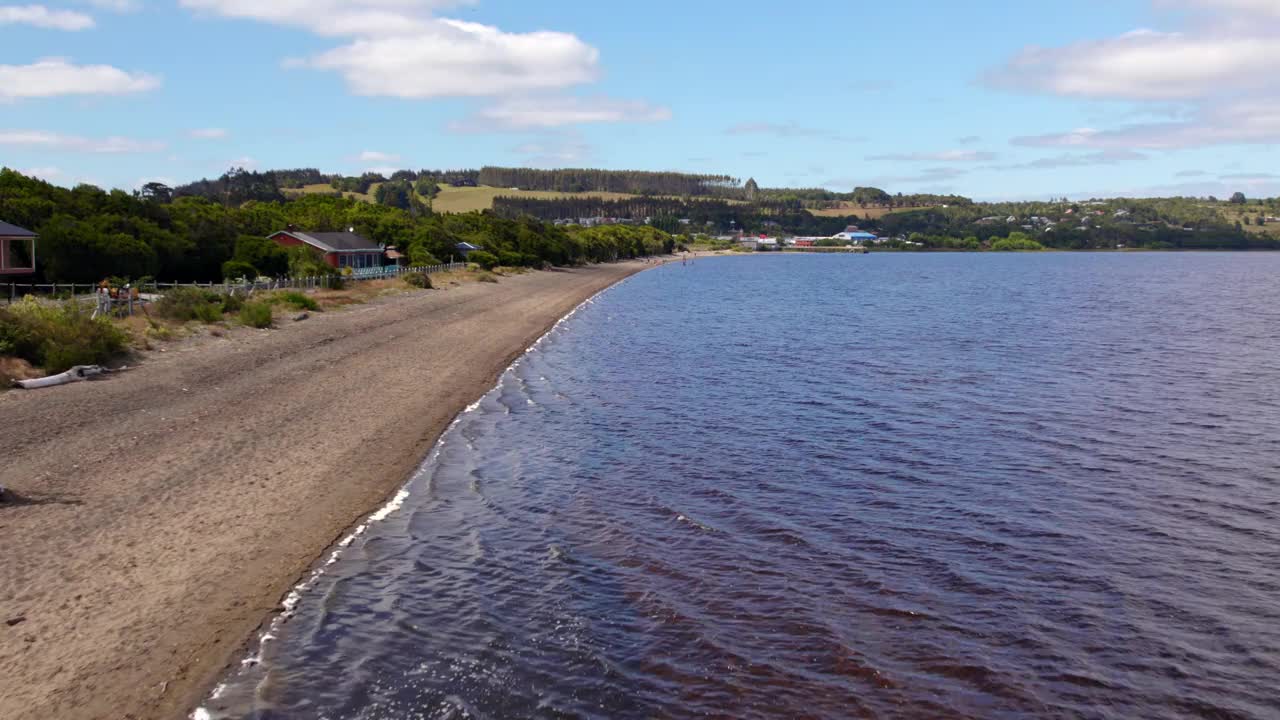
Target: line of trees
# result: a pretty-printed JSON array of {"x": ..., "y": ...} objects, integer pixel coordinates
[
  {"x": 633, "y": 182},
  {"x": 87, "y": 234},
  {"x": 712, "y": 215}
]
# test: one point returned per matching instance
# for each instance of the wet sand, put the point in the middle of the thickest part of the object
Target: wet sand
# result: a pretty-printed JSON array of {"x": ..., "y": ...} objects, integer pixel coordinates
[{"x": 163, "y": 513}]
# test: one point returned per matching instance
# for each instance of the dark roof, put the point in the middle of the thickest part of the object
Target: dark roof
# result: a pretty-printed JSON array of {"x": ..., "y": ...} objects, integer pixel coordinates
[
  {"x": 466, "y": 247},
  {"x": 8, "y": 230},
  {"x": 336, "y": 241}
]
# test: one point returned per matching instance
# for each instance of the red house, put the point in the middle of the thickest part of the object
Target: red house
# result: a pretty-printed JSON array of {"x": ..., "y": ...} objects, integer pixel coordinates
[
  {"x": 17, "y": 250},
  {"x": 806, "y": 243},
  {"x": 340, "y": 249}
]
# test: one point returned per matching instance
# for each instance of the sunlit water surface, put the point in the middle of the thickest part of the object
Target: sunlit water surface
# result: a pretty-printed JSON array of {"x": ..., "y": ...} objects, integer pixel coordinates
[{"x": 884, "y": 486}]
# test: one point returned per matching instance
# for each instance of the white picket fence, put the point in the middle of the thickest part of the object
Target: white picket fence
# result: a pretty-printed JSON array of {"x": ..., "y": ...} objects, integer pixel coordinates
[{"x": 16, "y": 291}]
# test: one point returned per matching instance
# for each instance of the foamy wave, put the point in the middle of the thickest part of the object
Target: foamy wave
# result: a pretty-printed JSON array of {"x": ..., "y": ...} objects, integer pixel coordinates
[{"x": 290, "y": 603}]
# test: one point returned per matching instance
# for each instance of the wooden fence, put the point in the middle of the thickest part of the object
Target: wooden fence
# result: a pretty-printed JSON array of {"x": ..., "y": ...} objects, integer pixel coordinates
[{"x": 16, "y": 291}]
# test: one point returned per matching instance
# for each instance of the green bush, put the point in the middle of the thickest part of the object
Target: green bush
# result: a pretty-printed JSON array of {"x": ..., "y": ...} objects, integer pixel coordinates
[
  {"x": 506, "y": 258},
  {"x": 419, "y": 256},
  {"x": 486, "y": 260},
  {"x": 236, "y": 269},
  {"x": 419, "y": 280},
  {"x": 256, "y": 314},
  {"x": 185, "y": 304},
  {"x": 299, "y": 300},
  {"x": 232, "y": 303},
  {"x": 1015, "y": 243},
  {"x": 58, "y": 337},
  {"x": 487, "y": 277}
]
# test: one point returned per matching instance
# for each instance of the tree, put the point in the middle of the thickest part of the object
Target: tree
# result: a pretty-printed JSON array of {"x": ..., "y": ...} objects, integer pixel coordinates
[
  {"x": 1238, "y": 199},
  {"x": 156, "y": 192},
  {"x": 752, "y": 189}
]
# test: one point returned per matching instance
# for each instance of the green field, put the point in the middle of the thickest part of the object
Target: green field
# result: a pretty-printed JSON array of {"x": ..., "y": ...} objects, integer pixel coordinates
[{"x": 467, "y": 199}]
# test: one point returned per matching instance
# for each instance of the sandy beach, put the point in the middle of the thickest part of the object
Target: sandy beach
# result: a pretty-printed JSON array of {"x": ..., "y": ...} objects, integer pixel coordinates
[{"x": 163, "y": 513}]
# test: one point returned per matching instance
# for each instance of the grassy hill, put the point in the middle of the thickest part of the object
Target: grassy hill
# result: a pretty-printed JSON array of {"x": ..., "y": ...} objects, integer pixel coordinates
[
  {"x": 467, "y": 199},
  {"x": 1240, "y": 213},
  {"x": 463, "y": 199},
  {"x": 869, "y": 213}
]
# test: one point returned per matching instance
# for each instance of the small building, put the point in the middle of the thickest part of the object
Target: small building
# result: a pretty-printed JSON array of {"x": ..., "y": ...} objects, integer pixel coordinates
[
  {"x": 17, "y": 250},
  {"x": 340, "y": 249},
  {"x": 465, "y": 248},
  {"x": 855, "y": 236},
  {"x": 806, "y": 242}
]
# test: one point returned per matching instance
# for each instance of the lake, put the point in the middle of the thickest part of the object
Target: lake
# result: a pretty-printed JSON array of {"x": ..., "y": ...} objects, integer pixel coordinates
[{"x": 895, "y": 485}]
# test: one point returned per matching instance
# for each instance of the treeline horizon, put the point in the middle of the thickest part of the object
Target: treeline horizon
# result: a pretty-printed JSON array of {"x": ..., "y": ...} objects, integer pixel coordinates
[{"x": 86, "y": 234}]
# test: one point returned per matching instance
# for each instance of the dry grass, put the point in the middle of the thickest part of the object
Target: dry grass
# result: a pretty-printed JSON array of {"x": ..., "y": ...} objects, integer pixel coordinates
[
  {"x": 12, "y": 368},
  {"x": 869, "y": 213},
  {"x": 467, "y": 199},
  {"x": 327, "y": 189},
  {"x": 1238, "y": 213}
]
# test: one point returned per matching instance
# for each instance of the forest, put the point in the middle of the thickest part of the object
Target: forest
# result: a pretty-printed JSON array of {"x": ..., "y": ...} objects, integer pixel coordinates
[
  {"x": 632, "y": 182},
  {"x": 709, "y": 215},
  {"x": 87, "y": 234},
  {"x": 1151, "y": 223}
]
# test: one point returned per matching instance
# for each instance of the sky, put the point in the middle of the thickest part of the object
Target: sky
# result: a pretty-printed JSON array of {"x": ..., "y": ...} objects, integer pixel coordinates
[{"x": 990, "y": 99}]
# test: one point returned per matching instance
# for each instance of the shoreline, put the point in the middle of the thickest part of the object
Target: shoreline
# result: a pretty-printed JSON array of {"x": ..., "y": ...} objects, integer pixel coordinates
[{"x": 164, "y": 514}]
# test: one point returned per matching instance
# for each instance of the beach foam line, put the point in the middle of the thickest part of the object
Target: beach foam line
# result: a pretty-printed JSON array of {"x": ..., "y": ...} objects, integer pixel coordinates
[{"x": 290, "y": 602}]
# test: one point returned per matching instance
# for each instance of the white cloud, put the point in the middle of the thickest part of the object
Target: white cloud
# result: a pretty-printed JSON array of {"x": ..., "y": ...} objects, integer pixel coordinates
[
  {"x": 449, "y": 58},
  {"x": 378, "y": 157},
  {"x": 244, "y": 162},
  {"x": 545, "y": 112},
  {"x": 120, "y": 6},
  {"x": 1105, "y": 157},
  {"x": 929, "y": 175},
  {"x": 1145, "y": 65},
  {"x": 42, "y": 17},
  {"x": 208, "y": 133},
  {"x": 565, "y": 151},
  {"x": 945, "y": 156},
  {"x": 399, "y": 48},
  {"x": 1242, "y": 122},
  {"x": 787, "y": 130},
  {"x": 53, "y": 77},
  {"x": 1220, "y": 70},
  {"x": 48, "y": 174},
  {"x": 1244, "y": 7},
  {"x": 73, "y": 143}
]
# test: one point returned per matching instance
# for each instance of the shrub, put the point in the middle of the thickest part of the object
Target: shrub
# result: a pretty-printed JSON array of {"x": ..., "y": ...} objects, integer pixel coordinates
[
  {"x": 232, "y": 303},
  {"x": 506, "y": 258},
  {"x": 58, "y": 338},
  {"x": 419, "y": 280},
  {"x": 1014, "y": 243},
  {"x": 420, "y": 256},
  {"x": 256, "y": 314},
  {"x": 189, "y": 303},
  {"x": 236, "y": 269},
  {"x": 299, "y": 300},
  {"x": 487, "y": 277},
  {"x": 486, "y": 260}
]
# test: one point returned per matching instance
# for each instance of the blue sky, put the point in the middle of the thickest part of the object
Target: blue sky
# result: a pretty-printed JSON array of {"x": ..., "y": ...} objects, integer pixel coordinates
[{"x": 989, "y": 99}]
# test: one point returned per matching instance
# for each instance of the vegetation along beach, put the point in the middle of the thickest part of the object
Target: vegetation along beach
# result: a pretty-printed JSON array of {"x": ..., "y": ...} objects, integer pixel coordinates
[{"x": 474, "y": 359}]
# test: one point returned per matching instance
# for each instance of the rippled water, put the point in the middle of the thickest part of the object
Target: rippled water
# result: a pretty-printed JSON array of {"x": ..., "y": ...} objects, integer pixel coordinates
[{"x": 883, "y": 486}]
